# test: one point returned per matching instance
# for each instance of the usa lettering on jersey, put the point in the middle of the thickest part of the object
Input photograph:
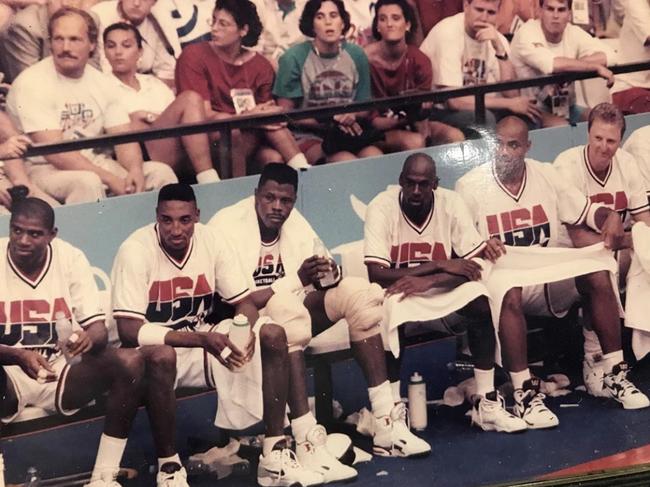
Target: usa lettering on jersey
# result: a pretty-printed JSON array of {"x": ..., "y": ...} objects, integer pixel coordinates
[
  {"x": 180, "y": 297},
  {"x": 268, "y": 270},
  {"x": 521, "y": 227},
  {"x": 411, "y": 254},
  {"x": 614, "y": 201},
  {"x": 30, "y": 323}
]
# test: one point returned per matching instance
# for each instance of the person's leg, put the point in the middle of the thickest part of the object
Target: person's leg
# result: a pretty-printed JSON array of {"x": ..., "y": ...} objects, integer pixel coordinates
[
  {"x": 67, "y": 186},
  {"x": 188, "y": 107},
  {"x": 282, "y": 140},
  {"x": 341, "y": 157},
  {"x": 360, "y": 304},
  {"x": 157, "y": 175},
  {"x": 442, "y": 133},
  {"x": 370, "y": 151},
  {"x": 401, "y": 140},
  {"x": 119, "y": 372}
]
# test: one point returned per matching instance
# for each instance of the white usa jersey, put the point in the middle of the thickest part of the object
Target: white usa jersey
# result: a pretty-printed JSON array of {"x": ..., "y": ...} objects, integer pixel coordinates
[
  {"x": 269, "y": 265},
  {"x": 392, "y": 240},
  {"x": 622, "y": 189},
  {"x": 151, "y": 285},
  {"x": 28, "y": 306},
  {"x": 533, "y": 216}
]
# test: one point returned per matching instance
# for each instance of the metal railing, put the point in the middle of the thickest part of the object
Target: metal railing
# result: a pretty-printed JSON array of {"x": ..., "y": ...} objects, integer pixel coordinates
[{"x": 226, "y": 126}]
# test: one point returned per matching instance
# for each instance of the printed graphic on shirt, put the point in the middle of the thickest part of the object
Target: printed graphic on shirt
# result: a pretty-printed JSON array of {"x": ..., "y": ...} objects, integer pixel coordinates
[
  {"x": 269, "y": 265},
  {"x": 521, "y": 227}
]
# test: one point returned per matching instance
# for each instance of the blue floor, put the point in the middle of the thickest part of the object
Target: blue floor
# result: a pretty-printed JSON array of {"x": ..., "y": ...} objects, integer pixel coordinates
[{"x": 462, "y": 456}]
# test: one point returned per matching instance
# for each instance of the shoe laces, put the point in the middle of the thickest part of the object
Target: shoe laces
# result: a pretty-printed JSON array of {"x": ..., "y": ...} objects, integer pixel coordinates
[
  {"x": 399, "y": 413},
  {"x": 625, "y": 385},
  {"x": 537, "y": 402}
]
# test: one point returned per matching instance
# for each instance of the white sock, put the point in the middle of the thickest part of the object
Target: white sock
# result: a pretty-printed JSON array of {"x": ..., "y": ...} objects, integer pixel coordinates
[
  {"x": 268, "y": 443},
  {"x": 299, "y": 161},
  {"x": 208, "y": 176},
  {"x": 592, "y": 344},
  {"x": 518, "y": 378},
  {"x": 484, "y": 381},
  {"x": 301, "y": 426},
  {"x": 611, "y": 359},
  {"x": 109, "y": 455},
  {"x": 381, "y": 399},
  {"x": 397, "y": 394},
  {"x": 173, "y": 458}
]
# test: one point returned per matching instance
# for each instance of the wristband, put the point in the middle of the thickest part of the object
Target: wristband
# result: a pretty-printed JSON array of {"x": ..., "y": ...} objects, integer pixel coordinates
[
  {"x": 502, "y": 57},
  {"x": 150, "y": 334}
]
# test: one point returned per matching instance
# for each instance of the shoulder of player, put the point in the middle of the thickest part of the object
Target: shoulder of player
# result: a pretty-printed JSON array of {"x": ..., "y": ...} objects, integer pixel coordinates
[
  {"x": 447, "y": 198},
  {"x": 62, "y": 249},
  {"x": 625, "y": 159},
  {"x": 569, "y": 156},
  {"x": 234, "y": 212},
  {"x": 387, "y": 198},
  {"x": 141, "y": 240},
  {"x": 476, "y": 176}
]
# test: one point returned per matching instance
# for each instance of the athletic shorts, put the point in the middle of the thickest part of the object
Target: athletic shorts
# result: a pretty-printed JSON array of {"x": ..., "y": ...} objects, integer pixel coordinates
[
  {"x": 552, "y": 299},
  {"x": 29, "y": 392}
]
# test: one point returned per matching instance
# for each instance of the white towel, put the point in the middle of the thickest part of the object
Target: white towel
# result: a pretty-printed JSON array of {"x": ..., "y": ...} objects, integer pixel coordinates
[
  {"x": 638, "y": 291},
  {"x": 239, "y": 394}
]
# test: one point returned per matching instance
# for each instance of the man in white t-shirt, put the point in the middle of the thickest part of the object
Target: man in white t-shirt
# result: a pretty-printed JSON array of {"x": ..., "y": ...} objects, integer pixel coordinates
[
  {"x": 609, "y": 175},
  {"x": 276, "y": 247},
  {"x": 466, "y": 49},
  {"x": 158, "y": 52},
  {"x": 551, "y": 44},
  {"x": 524, "y": 203},
  {"x": 167, "y": 279},
  {"x": 63, "y": 98},
  {"x": 410, "y": 234},
  {"x": 44, "y": 280},
  {"x": 631, "y": 93}
]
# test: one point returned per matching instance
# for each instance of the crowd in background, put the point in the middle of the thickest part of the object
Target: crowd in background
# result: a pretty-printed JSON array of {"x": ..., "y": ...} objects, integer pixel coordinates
[{"x": 80, "y": 68}]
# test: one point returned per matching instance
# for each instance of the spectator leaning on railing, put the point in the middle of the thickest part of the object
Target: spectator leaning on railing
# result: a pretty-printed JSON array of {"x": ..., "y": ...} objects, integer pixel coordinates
[
  {"x": 465, "y": 50},
  {"x": 398, "y": 68},
  {"x": 328, "y": 71},
  {"x": 232, "y": 80},
  {"x": 152, "y": 104},
  {"x": 62, "y": 98},
  {"x": 551, "y": 44}
]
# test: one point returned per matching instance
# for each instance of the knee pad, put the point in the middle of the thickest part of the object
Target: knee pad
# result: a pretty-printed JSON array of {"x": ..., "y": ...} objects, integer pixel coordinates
[
  {"x": 360, "y": 303},
  {"x": 288, "y": 311}
]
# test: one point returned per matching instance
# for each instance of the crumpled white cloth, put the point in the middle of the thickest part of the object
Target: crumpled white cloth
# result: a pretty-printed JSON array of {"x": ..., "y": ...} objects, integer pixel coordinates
[
  {"x": 519, "y": 267},
  {"x": 638, "y": 291}
]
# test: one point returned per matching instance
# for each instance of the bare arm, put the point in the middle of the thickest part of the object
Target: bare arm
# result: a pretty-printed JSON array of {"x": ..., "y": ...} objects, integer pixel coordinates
[
  {"x": 130, "y": 157},
  {"x": 385, "y": 276}
]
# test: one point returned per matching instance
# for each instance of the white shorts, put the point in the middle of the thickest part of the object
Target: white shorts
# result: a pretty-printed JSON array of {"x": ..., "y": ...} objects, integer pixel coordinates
[
  {"x": 29, "y": 392},
  {"x": 552, "y": 299},
  {"x": 193, "y": 369}
]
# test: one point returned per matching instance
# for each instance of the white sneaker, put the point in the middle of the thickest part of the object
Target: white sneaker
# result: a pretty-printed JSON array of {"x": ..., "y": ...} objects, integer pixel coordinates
[
  {"x": 394, "y": 439},
  {"x": 490, "y": 414},
  {"x": 593, "y": 375},
  {"x": 282, "y": 468},
  {"x": 529, "y": 406},
  {"x": 171, "y": 474},
  {"x": 314, "y": 455},
  {"x": 107, "y": 479},
  {"x": 622, "y": 390}
]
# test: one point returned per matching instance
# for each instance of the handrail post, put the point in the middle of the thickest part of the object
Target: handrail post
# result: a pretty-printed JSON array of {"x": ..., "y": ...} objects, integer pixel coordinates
[
  {"x": 479, "y": 108},
  {"x": 225, "y": 153}
]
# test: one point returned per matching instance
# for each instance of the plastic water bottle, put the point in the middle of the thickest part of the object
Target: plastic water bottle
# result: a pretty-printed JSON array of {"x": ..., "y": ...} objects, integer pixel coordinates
[
  {"x": 329, "y": 279},
  {"x": 33, "y": 478},
  {"x": 417, "y": 392},
  {"x": 2, "y": 470},
  {"x": 240, "y": 334},
  {"x": 64, "y": 332}
]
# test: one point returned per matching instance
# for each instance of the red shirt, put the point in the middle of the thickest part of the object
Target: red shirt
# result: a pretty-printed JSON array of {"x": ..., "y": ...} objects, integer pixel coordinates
[
  {"x": 433, "y": 11},
  {"x": 200, "y": 69},
  {"x": 413, "y": 74}
]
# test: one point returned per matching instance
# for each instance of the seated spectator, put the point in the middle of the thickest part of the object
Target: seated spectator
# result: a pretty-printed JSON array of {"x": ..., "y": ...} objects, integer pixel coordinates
[
  {"x": 362, "y": 12},
  {"x": 233, "y": 79},
  {"x": 328, "y": 71},
  {"x": 631, "y": 93},
  {"x": 27, "y": 41},
  {"x": 159, "y": 38},
  {"x": 8, "y": 8},
  {"x": 193, "y": 18},
  {"x": 513, "y": 13},
  {"x": 431, "y": 12},
  {"x": 280, "y": 27},
  {"x": 62, "y": 98},
  {"x": 152, "y": 104},
  {"x": 12, "y": 171},
  {"x": 398, "y": 68},
  {"x": 466, "y": 50},
  {"x": 551, "y": 44}
]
